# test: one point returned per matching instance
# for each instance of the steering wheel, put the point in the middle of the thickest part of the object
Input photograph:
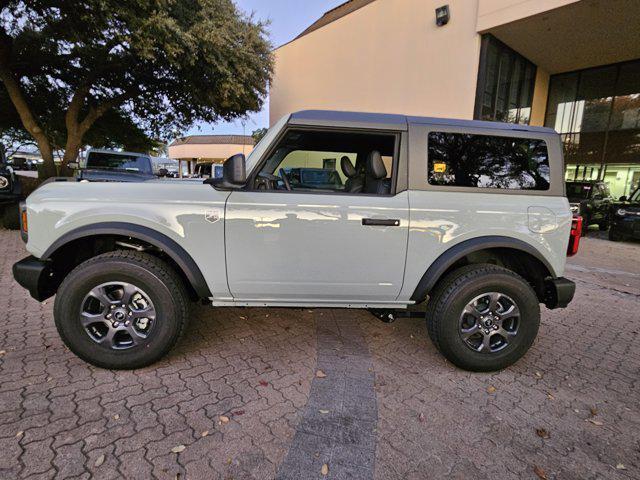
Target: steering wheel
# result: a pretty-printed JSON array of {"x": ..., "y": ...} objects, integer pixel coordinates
[{"x": 285, "y": 179}]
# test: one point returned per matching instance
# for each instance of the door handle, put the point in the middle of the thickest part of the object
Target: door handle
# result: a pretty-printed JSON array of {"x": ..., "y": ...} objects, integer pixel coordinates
[{"x": 381, "y": 222}]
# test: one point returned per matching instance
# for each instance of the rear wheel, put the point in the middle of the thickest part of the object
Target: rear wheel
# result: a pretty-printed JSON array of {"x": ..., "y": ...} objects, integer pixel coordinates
[
  {"x": 121, "y": 310},
  {"x": 483, "y": 317},
  {"x": 613, "y": 235}
]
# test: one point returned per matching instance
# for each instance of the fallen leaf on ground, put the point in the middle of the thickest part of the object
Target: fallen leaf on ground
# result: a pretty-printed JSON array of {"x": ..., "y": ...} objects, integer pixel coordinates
[
  {"x": 99, "y": 461},
  {"x": 620, "y": 466},
  {"x": 595, "y": 422},
  {"x": 116, "y": 417},
  {"x": 178, "y": 449},
  {"x": 324, "y": 412},
  {"x": 538, "y": 374},
  {"x": 542, "y": 433},
  {"x": 320, "y": 374},
  {"x": 20, "y": 433},
  {"x": 491, "y": 389},
  {"x": 224, "y": 419},
  {"x": 2, "y": 352},
  {"x": 325, "y": 469},
  {"x": 237, "y": 413},
  {"x": 243, "y": 318},
  {"x": 550, "y": 397},
  {"x": 205, "y": 433},
  {"x": 421, "y": 417},
  {"x": 263, "y": 383},
  {"x": 594, "y": 411},
  {"x": 542, "y": 475}
]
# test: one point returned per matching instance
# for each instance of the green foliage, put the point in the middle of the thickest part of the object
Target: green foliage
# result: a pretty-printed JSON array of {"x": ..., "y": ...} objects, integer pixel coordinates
[
  {"x": 138, "y": 69},
  {"x": 259, "y": 133}
]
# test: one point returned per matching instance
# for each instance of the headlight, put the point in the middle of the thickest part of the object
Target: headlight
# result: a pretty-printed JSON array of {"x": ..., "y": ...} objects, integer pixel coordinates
[
  {"x": 4, "y": 182},
  {"x": 621, "y": 211}
]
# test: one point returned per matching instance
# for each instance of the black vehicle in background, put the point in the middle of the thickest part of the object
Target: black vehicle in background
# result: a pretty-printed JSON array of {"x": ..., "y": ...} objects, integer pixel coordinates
[
  {"x": 314, "y": 178},
  {"x": 625, "y": 218},
  {"x": 111, "y": 166},
  {"x": 10, "y": 194},
  {"x": 592, "y": 201}
]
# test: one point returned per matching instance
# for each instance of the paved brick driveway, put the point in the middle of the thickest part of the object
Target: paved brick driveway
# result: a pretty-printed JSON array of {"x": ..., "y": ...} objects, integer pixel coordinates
[{"x": 240, "y": 396}]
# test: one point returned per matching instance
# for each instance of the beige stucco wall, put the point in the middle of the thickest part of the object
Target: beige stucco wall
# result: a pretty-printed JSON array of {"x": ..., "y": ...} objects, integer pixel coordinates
[
  {"x": 211, "y": 151},
  {"x": 492, "y": 13},
  {"x": 388, "y": 57}
]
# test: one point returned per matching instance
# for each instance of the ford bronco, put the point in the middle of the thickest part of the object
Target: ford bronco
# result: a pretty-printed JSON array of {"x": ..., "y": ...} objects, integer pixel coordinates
[{"x": 470, "y": 217}]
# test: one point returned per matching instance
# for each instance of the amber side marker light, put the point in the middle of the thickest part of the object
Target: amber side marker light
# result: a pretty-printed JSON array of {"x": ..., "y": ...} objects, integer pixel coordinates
[
  {"x": 24, "y": 223},
  {"x": 574, "y": 236}
]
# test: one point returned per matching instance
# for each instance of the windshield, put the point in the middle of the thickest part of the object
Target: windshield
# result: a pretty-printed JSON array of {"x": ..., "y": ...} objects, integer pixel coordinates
[
  {"x": 579, "y": 191},
  {"x": 263, "y": 144},
  {"x": 119, "y": 162}
]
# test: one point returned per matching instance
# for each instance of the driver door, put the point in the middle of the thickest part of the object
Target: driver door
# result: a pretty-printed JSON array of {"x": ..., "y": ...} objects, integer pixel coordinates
[{"x": 298, "y": 236}]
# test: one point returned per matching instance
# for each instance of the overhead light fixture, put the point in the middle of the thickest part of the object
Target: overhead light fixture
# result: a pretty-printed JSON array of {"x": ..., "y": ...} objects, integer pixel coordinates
[{"x": 442, "y": 15}]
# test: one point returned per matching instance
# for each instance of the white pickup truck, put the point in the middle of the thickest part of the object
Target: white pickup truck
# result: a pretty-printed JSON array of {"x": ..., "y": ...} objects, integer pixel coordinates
[{"x": 469, "y": 216}]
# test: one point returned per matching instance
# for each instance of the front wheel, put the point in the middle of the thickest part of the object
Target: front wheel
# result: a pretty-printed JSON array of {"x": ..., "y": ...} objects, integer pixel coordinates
[
  {"x": 121, "y": 310},
  {"x": 483, "y": 317},
  {"x": 613, "y": 235}
]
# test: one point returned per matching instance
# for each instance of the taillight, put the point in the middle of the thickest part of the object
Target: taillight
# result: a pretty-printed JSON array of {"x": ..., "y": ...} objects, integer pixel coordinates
[
  {"x": 574, "y": 236},
  {"x": 24, "y": 223}
]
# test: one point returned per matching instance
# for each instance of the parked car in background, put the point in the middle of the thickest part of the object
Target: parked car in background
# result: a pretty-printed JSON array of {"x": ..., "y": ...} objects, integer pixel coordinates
[
  {"x": 625, "y": 217},
  {"x": 10, "y": 195},
  {"x": 591, "y": 200},
  {"x": 470, "y": 217},
  {"x": 112, "y": 166}
]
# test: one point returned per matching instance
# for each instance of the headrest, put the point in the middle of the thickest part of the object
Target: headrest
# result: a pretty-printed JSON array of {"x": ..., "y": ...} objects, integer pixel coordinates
[
  {"x": 347, "y": 167},
  {"x": 375, "y": 165}
]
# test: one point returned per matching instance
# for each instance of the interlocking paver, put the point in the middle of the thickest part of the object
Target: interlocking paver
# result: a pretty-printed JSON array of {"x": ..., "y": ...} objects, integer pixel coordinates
[{"x": 61, "y": 418}]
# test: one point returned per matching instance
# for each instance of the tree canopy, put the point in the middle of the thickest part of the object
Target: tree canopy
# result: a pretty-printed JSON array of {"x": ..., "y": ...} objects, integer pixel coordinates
[{"x": 105, "y": 72}]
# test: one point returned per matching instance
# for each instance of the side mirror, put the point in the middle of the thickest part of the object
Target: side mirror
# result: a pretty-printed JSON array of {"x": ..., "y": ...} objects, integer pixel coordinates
[
  {"x": 234, "y": 173},
  {"x": 623, "y": 198}
]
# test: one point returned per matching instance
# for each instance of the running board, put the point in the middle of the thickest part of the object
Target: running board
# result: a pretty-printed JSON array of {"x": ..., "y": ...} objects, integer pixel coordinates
[{"x": 314, "y": 304}]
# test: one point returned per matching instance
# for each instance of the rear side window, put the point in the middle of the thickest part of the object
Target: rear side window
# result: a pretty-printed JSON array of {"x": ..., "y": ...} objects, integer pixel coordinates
[{"x": 487, "y": 161}]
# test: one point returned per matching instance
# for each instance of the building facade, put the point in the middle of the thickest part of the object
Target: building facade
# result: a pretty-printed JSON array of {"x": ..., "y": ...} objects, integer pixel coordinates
[
  {"x": 573, "y": 65},
  {"x": 211, "y": 149}
]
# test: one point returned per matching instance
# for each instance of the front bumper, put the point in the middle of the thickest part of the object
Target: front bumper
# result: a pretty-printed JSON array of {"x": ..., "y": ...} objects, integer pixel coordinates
[
  {"x": 36, "y": 276},
  {"x": 559, "y": 292}
]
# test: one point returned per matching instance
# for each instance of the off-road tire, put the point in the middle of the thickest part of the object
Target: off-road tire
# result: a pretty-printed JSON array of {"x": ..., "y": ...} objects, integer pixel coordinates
[
  {"x": 459, "y": 287},
  {"x": 154, "y": 276}
]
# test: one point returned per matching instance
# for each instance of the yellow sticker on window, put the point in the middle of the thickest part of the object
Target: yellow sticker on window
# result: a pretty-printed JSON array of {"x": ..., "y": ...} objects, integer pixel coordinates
[{"x": 439, "y": 167}]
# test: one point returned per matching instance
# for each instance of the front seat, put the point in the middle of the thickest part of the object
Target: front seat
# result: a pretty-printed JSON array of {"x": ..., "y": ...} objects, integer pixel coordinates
[
  {"x": 376, "y": 181},
  {"x": 355, "y": 182}
]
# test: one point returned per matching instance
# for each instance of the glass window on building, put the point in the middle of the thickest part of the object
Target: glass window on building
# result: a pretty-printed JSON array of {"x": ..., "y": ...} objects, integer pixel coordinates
[
  {"x": 505, "y": 84},
  {"x": 597, "y": 113}
]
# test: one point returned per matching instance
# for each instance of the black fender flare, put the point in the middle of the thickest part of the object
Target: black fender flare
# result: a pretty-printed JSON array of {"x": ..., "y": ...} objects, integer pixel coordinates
[
  {"x": 462, "y": 249},
  {"x": 159, "y": 240}
]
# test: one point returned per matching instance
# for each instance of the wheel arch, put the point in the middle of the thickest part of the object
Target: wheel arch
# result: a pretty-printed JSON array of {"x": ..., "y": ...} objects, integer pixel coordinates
[
  {"x": 175, "y": 254},
  {"x": 515, "y": 254}
]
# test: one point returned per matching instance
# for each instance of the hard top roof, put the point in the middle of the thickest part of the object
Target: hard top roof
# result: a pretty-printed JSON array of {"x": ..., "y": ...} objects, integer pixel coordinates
[{"x": 326, "y": 117}]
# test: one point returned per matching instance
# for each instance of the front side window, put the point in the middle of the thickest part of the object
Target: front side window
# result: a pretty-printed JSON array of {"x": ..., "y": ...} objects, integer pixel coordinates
[
  {"x": 329, "y": 161},
  {"x": 487, "y": 161}
]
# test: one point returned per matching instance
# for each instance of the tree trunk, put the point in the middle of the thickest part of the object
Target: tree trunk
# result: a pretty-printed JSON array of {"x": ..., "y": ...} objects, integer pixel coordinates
[
  {"x": 48, "y": 168},
  {"x": 71, "y": 150}
]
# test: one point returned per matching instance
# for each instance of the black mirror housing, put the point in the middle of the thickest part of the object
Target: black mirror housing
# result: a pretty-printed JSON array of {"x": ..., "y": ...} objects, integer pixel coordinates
[
  {"x": 623, "y": 198},
  {"x": 234, "y": 173}
]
